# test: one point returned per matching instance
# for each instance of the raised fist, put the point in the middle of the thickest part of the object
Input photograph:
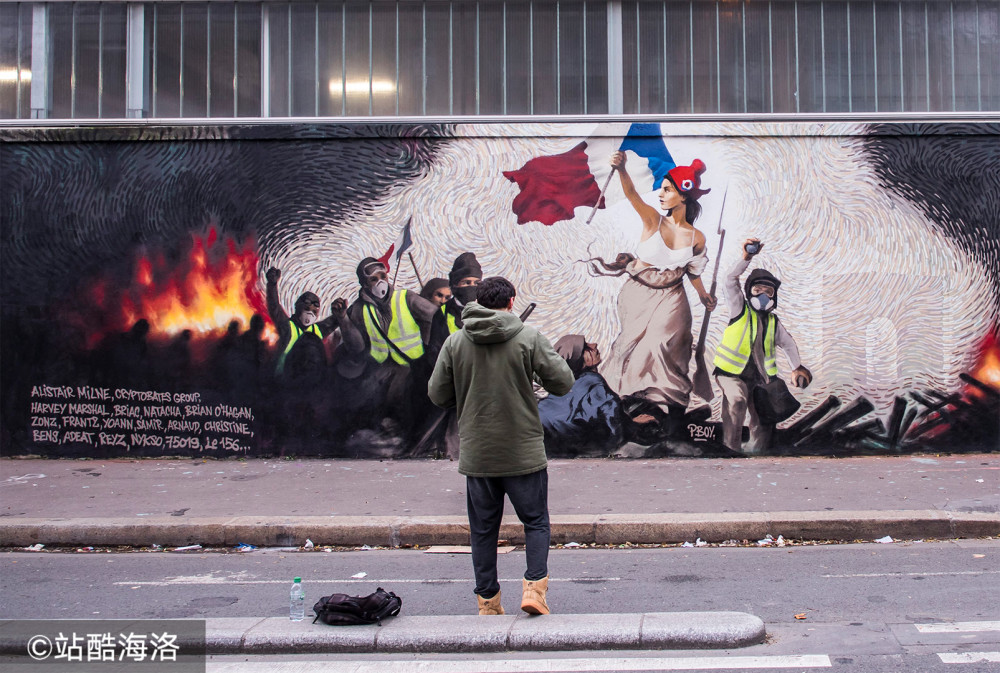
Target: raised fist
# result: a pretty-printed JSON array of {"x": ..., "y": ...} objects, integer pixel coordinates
[
  {"x": 339, "y": 307},
  {"x": 273, "y": 275},
  {"x": 751, "y": 247}
]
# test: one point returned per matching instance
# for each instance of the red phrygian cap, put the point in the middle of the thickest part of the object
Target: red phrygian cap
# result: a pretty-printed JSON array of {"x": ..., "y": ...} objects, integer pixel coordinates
[{"x": 688, "y": 179}]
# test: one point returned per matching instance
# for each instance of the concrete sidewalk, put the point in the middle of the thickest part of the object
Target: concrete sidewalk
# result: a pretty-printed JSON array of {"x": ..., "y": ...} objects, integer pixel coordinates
[
  {"x": 504, "y": 633},
  {"x": 453, "y": 634},
  {"x": 392, "y": 503}
]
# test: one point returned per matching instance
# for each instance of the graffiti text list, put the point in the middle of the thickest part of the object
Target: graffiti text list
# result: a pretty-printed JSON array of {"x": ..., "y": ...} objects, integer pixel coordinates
[{"x": 133, "y": 419}]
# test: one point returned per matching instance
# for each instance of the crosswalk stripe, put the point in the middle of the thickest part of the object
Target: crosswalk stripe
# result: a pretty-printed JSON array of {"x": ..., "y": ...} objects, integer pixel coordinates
[
  {"x": 532, "y": 665},
  {"x": 955, "y": 573},
  {"x": 957, "y": 627},
  {"x": 968, "y": 657}
]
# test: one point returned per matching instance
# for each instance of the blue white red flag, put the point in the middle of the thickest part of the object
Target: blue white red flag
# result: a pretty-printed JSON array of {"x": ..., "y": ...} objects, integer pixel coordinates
[
  {"x": 395, "y": 252},
  {"x": 553, "y": 187}
]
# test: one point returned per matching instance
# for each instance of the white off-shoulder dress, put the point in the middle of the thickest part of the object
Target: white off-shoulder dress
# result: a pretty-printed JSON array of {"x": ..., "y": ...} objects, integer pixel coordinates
[{"x": 652, "y": 354}]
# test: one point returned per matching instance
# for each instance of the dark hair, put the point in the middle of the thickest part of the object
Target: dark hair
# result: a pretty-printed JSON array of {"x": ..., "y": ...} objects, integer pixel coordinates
[
  {"x": 692, "y": 209},
  {"x": 495, "y": 292},
  {"x": 619, "y": 267},
  {"x": 432, "y": 286}
]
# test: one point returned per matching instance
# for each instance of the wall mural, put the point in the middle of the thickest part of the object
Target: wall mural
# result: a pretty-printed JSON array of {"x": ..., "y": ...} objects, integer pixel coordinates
[{"x": 718, "y": 289}]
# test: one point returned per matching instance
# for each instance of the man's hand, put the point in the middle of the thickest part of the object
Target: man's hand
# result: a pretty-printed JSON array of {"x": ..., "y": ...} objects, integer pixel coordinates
[
  {"x": 339, "y": 309},
  {"x": 755, "y": 245},
  {"x": 801, "y": 377},
  {"x": 618, "y": 161},
  {"x": 273, "y": 275},
  {"x": 709, "y": 301}
]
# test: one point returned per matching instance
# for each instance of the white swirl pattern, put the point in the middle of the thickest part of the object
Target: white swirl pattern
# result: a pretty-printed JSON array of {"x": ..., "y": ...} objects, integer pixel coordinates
[{"x": 877, "y": 299}]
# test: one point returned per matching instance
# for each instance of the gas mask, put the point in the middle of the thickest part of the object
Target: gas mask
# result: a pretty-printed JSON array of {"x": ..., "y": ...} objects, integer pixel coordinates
[
  {"x": 380, "y": 289},
  {"x": 465, "y": 294},
  {"x": 307, "y": 318},
  {"x": 762, "y": 302},
  {"x": 761, "y": 290}
]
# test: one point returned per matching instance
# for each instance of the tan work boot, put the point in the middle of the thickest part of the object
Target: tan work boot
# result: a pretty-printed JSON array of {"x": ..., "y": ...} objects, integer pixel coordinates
[
  {"x": 533, "y": 596},
  {"x": 490, "y": 606}
]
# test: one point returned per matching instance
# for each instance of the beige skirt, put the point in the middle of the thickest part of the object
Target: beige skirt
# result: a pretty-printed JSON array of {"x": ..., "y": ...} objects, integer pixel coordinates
[{"x": 652, "y": 355}]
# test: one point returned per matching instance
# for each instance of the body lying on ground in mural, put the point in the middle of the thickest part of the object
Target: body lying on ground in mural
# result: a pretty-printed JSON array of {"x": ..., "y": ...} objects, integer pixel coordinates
[{"x": 589, "y": 418}]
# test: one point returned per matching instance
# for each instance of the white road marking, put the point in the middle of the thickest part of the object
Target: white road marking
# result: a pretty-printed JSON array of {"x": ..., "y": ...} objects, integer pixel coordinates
[
  {"x": 938, "y": 574},
  {"x": 968, "y": 657},
  {"x": 197, "y": 580},
  {"x": 532, "y": 665},
  {"x": 957, "y": 627}
]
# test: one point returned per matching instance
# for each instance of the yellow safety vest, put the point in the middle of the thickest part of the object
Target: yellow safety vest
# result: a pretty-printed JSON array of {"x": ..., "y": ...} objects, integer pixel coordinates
[
  {"x": 733, "y": 353},
  {"x": 296, "y": 333},
  {"x": 403, "y": 331},
  {"x": 452, "y": 323}
]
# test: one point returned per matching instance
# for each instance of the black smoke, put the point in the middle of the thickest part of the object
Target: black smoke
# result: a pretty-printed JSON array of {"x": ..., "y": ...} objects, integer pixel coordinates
[
  {"x": 81, "y": 202},
  {"x": 952, "y": 173}
]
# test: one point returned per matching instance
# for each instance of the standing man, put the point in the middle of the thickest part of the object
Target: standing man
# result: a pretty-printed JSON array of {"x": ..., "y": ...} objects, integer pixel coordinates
[
  {"x": 746, "y": 357},
  {"x": 485, "y": 371}
]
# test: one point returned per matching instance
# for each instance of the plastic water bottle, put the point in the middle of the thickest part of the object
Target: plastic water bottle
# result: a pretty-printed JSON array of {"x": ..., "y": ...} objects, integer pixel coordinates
[{"x": 297, "y": 602}]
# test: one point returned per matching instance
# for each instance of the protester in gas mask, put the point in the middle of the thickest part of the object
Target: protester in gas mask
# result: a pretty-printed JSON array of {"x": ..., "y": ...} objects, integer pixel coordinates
[
  {"x": 383, "y": 351},
  {"x": 393, "y": 324},
  {"x": 746, "y": 356},
  {"x": 301, "y": 353},
  {"x": 464, "y": 279}
]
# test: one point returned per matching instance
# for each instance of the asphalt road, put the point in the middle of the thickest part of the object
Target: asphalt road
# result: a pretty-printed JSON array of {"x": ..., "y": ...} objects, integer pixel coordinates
[{"x": 861, "y": 604}]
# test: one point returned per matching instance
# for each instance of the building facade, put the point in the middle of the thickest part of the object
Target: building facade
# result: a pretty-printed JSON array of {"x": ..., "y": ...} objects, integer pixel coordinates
[
  {"x": 165, "y": 60},
  {"x": 176, "y": 176}
]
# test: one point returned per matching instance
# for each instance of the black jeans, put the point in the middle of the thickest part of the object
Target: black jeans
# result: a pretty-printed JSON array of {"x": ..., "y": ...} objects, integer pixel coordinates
[{"x": 529, "y": 494}]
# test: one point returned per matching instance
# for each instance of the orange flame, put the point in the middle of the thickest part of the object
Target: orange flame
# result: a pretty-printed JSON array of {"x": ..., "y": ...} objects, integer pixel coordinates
[
  {"x": 987, "y": 367},
  {"x": 198, "y": 294}
]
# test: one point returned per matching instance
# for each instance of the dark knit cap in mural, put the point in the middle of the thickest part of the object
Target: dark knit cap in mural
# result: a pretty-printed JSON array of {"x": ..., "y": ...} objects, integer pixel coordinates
[{"x": 465, "y": 265}]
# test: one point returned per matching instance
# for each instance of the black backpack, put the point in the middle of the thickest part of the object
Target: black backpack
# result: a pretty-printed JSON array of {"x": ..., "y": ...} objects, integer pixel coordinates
[{"x": 344, "y": 610}]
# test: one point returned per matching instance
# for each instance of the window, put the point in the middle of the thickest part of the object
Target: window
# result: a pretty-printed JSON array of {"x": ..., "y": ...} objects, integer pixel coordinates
[{"x": 496, "y": 57}]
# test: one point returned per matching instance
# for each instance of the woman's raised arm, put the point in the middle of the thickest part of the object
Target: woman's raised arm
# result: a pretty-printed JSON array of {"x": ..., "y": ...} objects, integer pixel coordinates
[{"x": 650, "y": 216}]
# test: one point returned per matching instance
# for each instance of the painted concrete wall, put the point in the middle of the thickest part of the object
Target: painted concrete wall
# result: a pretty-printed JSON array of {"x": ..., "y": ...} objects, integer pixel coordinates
[{"x": 134, "y": 260}]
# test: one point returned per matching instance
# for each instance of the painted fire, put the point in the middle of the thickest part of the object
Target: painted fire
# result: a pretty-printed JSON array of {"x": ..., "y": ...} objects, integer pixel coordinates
[
  {"x": 216, "y": 284},
  {"x": 987, "y": 368}
]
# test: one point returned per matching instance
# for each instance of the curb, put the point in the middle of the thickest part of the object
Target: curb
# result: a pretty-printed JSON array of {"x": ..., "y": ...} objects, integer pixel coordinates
[
  {"x": 347, "y": 531},
  {"x": 452, "y": 634}
]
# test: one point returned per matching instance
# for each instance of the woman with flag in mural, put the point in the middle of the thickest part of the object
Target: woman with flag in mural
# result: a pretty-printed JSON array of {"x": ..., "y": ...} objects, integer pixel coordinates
[{"x": 649, "y": 361}]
